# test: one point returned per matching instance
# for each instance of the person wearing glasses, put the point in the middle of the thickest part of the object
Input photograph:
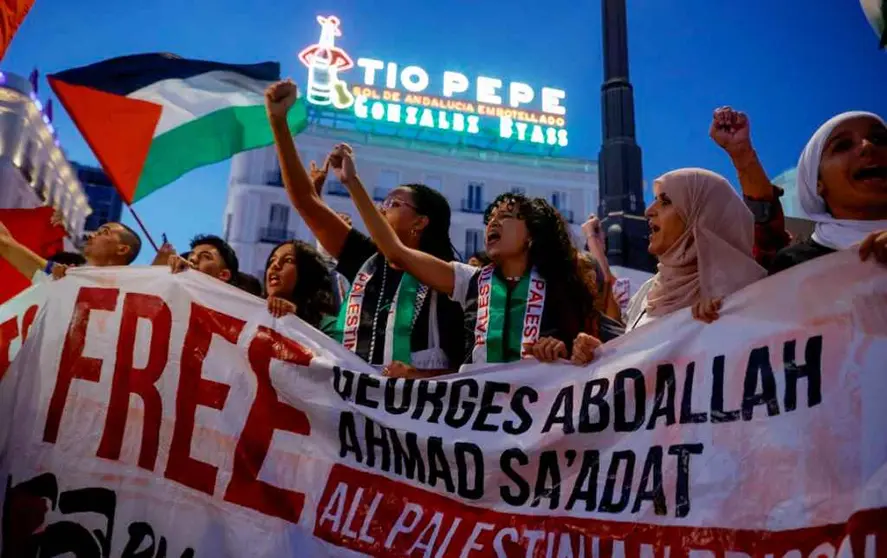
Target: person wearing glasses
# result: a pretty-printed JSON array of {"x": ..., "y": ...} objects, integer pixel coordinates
[
  {"x": 388, "y": 317},
  {"x": 533, "y": 300}
]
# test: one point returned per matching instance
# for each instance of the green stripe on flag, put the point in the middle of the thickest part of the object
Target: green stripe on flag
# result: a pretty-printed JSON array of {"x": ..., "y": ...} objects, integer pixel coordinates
[{"x": 210, "y": 139}]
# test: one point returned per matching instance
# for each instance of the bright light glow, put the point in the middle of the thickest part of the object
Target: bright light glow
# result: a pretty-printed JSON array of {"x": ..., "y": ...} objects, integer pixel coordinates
[
  {"x": 520, "y": 93},
  {"x": 506, "y": 127},
  {"x": 391, "y": 76},
  {"x": 329, "y": 30},
  {"x": 414, "y": 79},
  {"x": 38, "y": 104},
  {"x": 473, "y": 124},
  {"x": 459, "y": 122},
  {"x": 412, "y": 113},
  {"x": 454, "y": 82},
  {"x": 360, "y": 107},
  {"x": 551, "y": 101},
  {"x": 409, "y": 95},
  {"x": 342, "y": 98},
  {"x": 394, "y": 113},
  {"x": 521, "y": 128},
  {"x": 486, "y": 90},
  {"x": 427, "y": 119},
  {"x": 370, "y": 65}
]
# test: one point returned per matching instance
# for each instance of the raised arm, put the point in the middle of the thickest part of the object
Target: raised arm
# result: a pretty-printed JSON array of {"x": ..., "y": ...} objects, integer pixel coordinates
[
  {"x": 730, "y": 129},
  {"x": 594, "y": 239},
  {"x": 431, "y": 271},
  {"x": 18, "y": 255},
  {"x": 330, "y": 230}
]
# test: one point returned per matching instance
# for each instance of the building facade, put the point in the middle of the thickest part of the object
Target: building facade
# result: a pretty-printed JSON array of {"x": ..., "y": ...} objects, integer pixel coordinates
[
  {"x": 258, "y": 214},
  {"x": 796, "y": 222},
  {"x": 788, "y": 181},
  {"x": 106, "y": 203},
  {"x": 33, "y": 168}
]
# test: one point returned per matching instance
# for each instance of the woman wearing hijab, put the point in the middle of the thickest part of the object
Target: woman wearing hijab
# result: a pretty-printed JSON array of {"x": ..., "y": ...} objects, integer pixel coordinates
[
  {"x": 842, "y": 187},
  {"x": 702, "y": 234},
  {"x": 387, "y": 316}
]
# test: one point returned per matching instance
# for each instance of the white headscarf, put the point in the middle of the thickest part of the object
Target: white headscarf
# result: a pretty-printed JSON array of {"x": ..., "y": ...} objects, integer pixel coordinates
[{"x": 838, "y": 234}]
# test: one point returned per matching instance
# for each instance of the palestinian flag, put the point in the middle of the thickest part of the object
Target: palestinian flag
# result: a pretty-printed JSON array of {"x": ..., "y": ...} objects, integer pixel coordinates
[{"x": 150, "y": 118}]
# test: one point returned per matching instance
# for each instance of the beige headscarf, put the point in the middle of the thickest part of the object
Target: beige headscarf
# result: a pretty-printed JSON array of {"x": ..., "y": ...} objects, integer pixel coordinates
[{"x": 713, "y": 257}]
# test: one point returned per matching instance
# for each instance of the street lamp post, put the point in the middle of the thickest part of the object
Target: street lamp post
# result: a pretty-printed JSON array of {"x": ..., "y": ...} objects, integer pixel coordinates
[{"x": 621, "y": 175}]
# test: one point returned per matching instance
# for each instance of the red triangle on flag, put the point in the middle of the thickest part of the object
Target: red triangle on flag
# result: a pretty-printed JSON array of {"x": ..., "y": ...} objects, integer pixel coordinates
[{"x": 119, "y": 130}]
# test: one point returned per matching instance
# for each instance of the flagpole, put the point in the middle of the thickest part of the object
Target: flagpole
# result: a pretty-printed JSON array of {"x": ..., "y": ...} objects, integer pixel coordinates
[{"x": 142, "y": 226}]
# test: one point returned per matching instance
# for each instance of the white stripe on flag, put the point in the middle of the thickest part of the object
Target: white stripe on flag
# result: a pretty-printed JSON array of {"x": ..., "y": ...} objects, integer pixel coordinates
[{"x": 184, "y": 100}]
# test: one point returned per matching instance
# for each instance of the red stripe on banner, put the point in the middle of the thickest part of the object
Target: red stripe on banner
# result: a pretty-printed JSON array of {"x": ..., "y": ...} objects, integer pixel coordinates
[
  {"x": 119, "y": 130},
  {"x": 378, "y": 516}
]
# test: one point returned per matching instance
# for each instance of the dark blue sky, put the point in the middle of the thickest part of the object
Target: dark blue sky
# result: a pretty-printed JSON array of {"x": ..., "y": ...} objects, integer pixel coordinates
[{"x": 789, "y": 63}]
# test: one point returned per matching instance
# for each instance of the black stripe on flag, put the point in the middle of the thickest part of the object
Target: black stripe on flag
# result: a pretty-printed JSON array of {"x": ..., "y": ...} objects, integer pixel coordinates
[{"x": 125, "y": 74}]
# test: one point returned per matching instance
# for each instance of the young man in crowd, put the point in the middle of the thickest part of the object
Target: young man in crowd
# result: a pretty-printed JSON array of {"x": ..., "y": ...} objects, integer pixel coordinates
[
  {"x": 112, "y": 244},
  {"x": 210, "y": 255}
]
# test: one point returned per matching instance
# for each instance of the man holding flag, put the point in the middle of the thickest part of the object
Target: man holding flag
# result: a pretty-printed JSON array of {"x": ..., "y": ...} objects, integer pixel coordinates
[{"x": 113, "y": 244}]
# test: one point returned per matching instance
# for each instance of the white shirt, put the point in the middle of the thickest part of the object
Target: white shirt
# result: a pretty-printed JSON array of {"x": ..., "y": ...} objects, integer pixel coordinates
[
  {"x": 636, "y": 314},
  {"x": 463, "y": 273},
  {"x": 40, "y": 276}
]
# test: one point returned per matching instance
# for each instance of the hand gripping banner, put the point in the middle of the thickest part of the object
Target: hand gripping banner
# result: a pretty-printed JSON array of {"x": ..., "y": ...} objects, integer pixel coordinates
[{"x": 151, "y": 415}]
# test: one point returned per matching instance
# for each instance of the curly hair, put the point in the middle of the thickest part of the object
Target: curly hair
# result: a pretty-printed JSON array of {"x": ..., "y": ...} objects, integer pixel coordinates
[
  {"x": 313, "y": 294},
  {"x": 553, "y": 254},
  {"x": 436, "y": 236}
]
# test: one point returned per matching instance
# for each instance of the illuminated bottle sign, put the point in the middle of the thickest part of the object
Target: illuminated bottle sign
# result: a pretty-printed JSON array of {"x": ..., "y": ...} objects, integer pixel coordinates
[{"x": 390, "y": 93}]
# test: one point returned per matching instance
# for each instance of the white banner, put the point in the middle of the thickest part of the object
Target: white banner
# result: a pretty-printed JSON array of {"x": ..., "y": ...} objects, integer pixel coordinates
[
  {"x": 16, "y": 317},
  {"x": 159, "y": 415}
]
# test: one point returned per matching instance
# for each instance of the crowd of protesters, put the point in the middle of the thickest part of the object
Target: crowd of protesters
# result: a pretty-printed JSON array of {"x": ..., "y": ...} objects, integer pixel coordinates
[{"x": 401, "y": 299}]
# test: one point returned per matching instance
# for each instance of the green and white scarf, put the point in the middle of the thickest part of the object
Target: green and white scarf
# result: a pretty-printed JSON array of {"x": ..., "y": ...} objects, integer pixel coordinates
[
  {"x": 525, "y": 321},
  {"x": 402, "y": 314}
]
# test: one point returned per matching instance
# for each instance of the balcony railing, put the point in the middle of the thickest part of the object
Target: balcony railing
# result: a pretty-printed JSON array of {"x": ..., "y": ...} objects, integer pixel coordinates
[
  {"x": 336, "y": 188},
  {"x": 472, "y": 206},
  {"x": 276, "y": 235}
]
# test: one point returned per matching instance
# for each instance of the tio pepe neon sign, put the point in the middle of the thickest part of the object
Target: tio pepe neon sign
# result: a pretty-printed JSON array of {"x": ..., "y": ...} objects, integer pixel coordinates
[{"x": 398, "y": 95}]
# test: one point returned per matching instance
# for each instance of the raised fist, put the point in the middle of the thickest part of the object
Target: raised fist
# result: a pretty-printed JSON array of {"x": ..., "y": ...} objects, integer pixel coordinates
[
  {"x": 594, "y": 232},
  {"x": 341, "y": 161},
  {"x": 279, "y": 98},
  {"x": 730, "y": 130}
]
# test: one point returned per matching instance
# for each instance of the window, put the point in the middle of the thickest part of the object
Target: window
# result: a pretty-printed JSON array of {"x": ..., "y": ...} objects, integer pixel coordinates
[
  {"x": 434, "y": 181},
  {"x": 474, "y": 202},
  {"x": 274, "y": 177},
  {"x": 278, "y": 219},
  {"x": 473, "y": 242},
  {"x": 279, "y": 216},
  {"x": 559, "y": 200}
]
